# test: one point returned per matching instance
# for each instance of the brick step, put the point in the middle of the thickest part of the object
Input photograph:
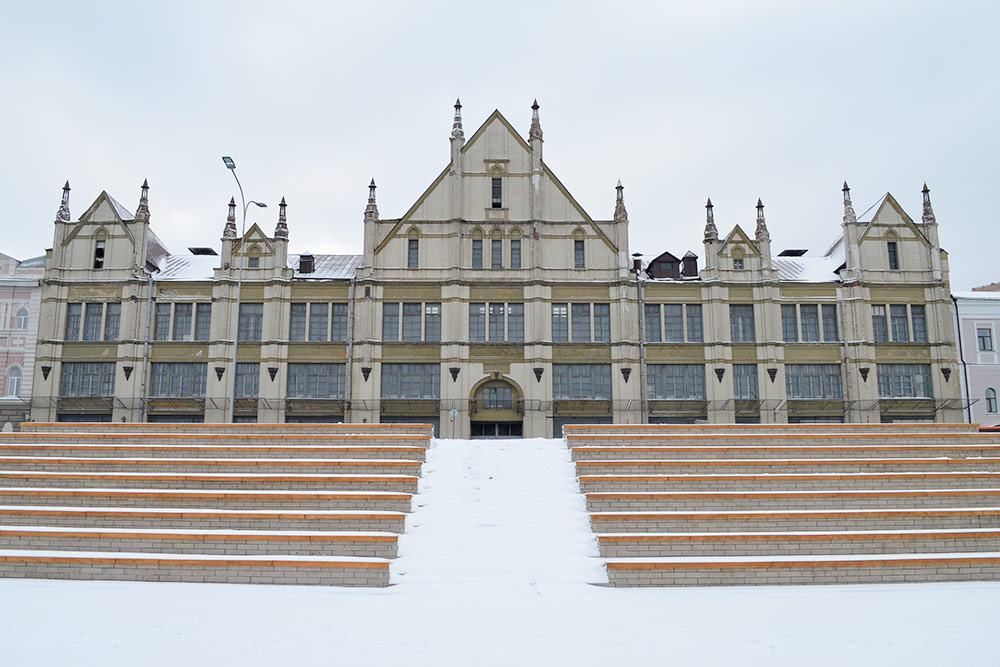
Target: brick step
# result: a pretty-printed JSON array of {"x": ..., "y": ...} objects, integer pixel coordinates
[
  {"x": 782, "y": 439},
  {"x": 804, "y": 570},
  {"x": 212, "y": 481},
  {"x": 185, "y": 465},
  {"x": 229, "y": 439},
  {"x": 712, "y": 452},
  {"x": 784, "y": 466},
  {"x": 202, "y": 499},
  {"x": 761, "y": 429},
  {"x": 214, "y": 542},
  {"x": 801, "y": 482},
  {"x": 302, "y": 570},
  {"x": 202, "y": 519},
  {"x": 643, "y": 545},
  {"x": 142, "y": 427},
  {"x": 216, "y": 451},
  {"x": 790, "y": 500}
]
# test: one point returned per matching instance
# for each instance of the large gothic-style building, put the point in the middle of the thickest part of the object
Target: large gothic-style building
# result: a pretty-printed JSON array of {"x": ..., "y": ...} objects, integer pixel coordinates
[{"x": 496, "y": 305}]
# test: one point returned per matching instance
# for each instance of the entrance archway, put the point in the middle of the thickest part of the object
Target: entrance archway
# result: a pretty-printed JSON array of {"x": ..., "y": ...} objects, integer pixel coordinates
[{"x": 497, "y": 410}]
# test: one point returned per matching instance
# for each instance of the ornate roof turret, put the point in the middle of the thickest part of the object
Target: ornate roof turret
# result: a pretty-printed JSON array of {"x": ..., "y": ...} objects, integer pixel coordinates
[
  {"x": 371, "y": 211},
  {"x": 761, "y": 234},
  {"x": 928, "y": 209},
  {"x": 230, "y": 231},
  {"x": 281, "y": 231},
  {"x": 456, "y": 129},
  {"x": 621, "y": 215},
  {"x": 848, "y": 208},
  {"x": 536, "y": 127},
  {"x": 711, "y": 232},
  {"x": 142, "y": 213},
  {"x": 62, "y": 215}
]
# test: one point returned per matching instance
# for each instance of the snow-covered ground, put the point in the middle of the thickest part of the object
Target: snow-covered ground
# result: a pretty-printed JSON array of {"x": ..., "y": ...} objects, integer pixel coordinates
[{"x": 497, "y": 568}]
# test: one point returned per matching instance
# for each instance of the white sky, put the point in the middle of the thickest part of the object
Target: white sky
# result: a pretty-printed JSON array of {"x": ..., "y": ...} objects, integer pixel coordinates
[{"x": 781, "y": 100}]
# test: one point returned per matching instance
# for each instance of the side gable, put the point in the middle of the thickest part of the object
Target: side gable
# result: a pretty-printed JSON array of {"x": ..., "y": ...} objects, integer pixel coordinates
[
  {"x": 738, "y": 238},
  {"x": 890, "y": 214},
  {"x": 254, "y": 236},
  {"x": 104, "y": 211}
]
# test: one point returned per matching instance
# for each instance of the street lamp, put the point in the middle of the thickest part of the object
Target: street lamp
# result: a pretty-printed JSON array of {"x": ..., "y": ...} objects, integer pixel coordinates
[{"x": 231, "y": 166}]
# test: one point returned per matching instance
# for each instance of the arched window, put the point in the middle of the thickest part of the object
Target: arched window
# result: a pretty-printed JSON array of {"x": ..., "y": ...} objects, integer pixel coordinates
[
  {"x": 14, "y": 382},
  {"x": 496, "y": 249},
  {"x": 477, "y": 248},
  {"x": 892, "y": 250},
  {"x": 738, "y": 258},
  {"x": 515, "y": 249},
  {"x": 579, "y": 255},
  {"x": 100, "y": 248},
  {"x": 22, "y": 319},
  {"x": 253, "y": 257},
  {"x": 496, "y": 187},
  {"x": 991, "y": 400},
  {"x": 413, "y": 249}
]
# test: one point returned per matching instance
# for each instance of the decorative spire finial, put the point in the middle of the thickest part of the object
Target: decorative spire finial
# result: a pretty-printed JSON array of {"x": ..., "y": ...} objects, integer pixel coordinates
[
  {"x": 230, "y": 230},
  {"x": 281, "y": 231},
  {"x": 63, "y": 214},
  {"x": 621, "y": 215},
  {"x": 456, "y": 129},
  {"x": 849, "y": 215},
  {"x": 928, "y": 209},
  {"x": 711, "y": 233},
  {"x": 371, "y": 211},
  {"x": 142, "y": 213},
  {"x": 761, "y": 233},
  {"x": 536, "y": 126}
]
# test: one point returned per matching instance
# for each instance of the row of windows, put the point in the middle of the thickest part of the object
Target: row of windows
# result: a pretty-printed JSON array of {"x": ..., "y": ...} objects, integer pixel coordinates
[
  {"x": 420, "y": 321},
  {"x": 318, "y": 322},
  {"x": 676, "y": 320},
  {"x": 182, "y": 321},
  {"x": 496, "y": 254},
  {"x": 901, "y": 320},
  {"x": 505, "y": 322},
  {"x": 99, "y": 321},
  {"x": 588, "y": 322},
  {"x": 809, "y": 323}
]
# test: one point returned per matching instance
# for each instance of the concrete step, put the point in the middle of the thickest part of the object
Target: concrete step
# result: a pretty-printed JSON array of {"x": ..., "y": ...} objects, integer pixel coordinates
[
  {"x": 790, "y": 500},
  {"x": 202, "y": 499},
  {"x": 644, "y": 545},
  {"x": 300, "y": 570},
  {"x": 202, "y": 519},
  {"x": 210, "y": 481},
  {"x": 801, "y": 482},
  {"x": 139, "y": 450},
  {"x": 146, "y": 428},
  {"x": 758, "y": 452},
  {"x": 209, "y": 439},
  {"x": 607, "y": 430},
  {"x": 199, "y": 465},
  {"x": 804, "y": 570},
  {"x": 795, "y": 520},
  {"x": 735, "y": 439},
  {"x": 212, "y": 542},
  {"x": 785, "y": 466}
]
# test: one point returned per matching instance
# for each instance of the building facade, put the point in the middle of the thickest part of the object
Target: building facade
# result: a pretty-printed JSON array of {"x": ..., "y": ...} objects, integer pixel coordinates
[
  {"x": 978, "y": 322},
  {"x": 496, "y": 305},
  {"x": 20, "y": 294}
]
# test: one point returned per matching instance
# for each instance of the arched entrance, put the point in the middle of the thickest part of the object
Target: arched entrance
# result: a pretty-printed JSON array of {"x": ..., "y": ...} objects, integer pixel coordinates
[{"x": 497, "y": 410}]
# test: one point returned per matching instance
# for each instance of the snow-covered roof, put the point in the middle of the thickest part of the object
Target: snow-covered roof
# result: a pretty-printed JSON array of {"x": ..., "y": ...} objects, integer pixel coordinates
[
  {"x": 156, "y": 252},
  {"x": 122, "y": 212},
  {"x": 328, "y": 267},
  {"x": 188, "y": 267},
  {"x": 33, "y": 262},
  {"x": 812, "y": 269},
  {"x": 983, "y": 296},
  {"x": 202, "y": 267}
]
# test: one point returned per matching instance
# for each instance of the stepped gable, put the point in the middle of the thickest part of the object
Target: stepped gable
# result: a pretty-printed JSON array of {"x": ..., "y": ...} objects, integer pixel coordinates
[
  {"x": 228, "y": 503},
  {"x": 782, "y": 504}
]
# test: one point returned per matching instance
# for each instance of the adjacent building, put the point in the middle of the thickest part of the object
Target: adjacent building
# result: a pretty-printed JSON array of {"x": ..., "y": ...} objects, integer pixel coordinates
[
  {"x": 496, "y": 305},
  {"x": 20, "y": 293},
  {"x": 977, "y": 323}
]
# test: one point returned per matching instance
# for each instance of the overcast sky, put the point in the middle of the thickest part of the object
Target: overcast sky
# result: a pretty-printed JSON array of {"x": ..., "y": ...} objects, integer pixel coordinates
[{"x": 681, "y": 100}]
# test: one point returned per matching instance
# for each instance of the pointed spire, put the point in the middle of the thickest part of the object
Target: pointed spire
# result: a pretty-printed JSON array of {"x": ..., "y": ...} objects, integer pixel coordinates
[
  {"x": 928, "y": 209},
  {"x": 63, "y": 214},
  {"x": 761, "y": 234},
  {"x": 456, "y": 129},
  {"x": 281, "y": 231},
  {"x": 371, "y": 211},
  {"x": 711, "y": 233},
  {"x": 230, "y": 230},
  {"x": 536, "y": 126},
  {"x": 142, "y": 213},
  {"x": 621, "y": 215},
  {"x": 848, "y": 208}
]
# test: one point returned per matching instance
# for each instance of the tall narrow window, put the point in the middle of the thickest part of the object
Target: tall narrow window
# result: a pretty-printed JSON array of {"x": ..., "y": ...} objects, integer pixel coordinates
[
  {"x": 694, "y": 325},
  {"x": 14, "y": 382},
  {"x": 338, "y": 322},
  {"x": 900, "y": 325},
  {"x": 579, "y": 261},
  {"x": 477, "y": 253},
  {"x": 497, "y": 323},
  {"x": 413, "y": 254},
  {"x": 830, "y": 332},
  {"x": 810, "y": 322},
  {"x": 515, "y": 253},
  {"x": 247, "y": 380},
  {"x": 182, "y": 321},
  {"x": 560, "y": 322},
  {"x": 202, "y": 321},
  {"x": 496, "y": 254},
  {"x": 581, "y": 322},
  {"x": 497, "y": 193},
  {"x": 673, "y": 323},
  {"x": 74, "y": 311},
  {"x": 92, "y": 321},
  {"x": 390, "y": 321},
  {"x": 318, "y": 321},
  {"x": 652, "y": 323},
  {"x": 918, "y": 316},
  {"x": 432, "y": 322},
  {"x": 251, "y": 322},
  {"x": 112, "y": 321},
  {"x": 161, "y": 322},
  {"x": 477, "y": 322},
  {"x": 991, "y": 400},
  {"x": 745, "y": 381},
  {"x": 99, "y": 247},
  {"x": 515, "y": 322},
  {"x": 789, "y": 323},
  {"x": 22, "y": 319},
  {"x": 602, "y": 322},
  {"x": 297, "y": 322},
  {"x": 741, "y": 323},
  {"x": 411, "y": 321},
  {"x": 880, "y": 325},
  {"x": 893, "y": 249}
]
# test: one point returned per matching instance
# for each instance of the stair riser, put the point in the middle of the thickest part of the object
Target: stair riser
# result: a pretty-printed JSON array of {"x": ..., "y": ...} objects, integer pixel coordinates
[
  {"x": 937, "y": 465},
  {"x": 758, "y": 504},
  {"x": 71, "y": 439},
  {"x": 332, "y": 430},
  {"x": 392, "y": 525},
  {"x": 779, "y": 547},
  {"x": 194, "y": 468},
  {"x": 242, "y": 484},
  {"x": 672, "y": 453},
  {"x": 207, "y": 547},
  {"x": 752, "y": 430},
  {"x": 789, "y": 525},
  {"x": 806, "y": 484},
  {"x": 305, "y": 502},
  {"x": 263, "y": 452},
  {"x": 880, "y": 440}
]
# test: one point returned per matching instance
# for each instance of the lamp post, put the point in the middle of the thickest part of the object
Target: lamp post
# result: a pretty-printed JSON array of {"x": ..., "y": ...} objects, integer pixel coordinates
[{"x": 231, "y": 166}]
